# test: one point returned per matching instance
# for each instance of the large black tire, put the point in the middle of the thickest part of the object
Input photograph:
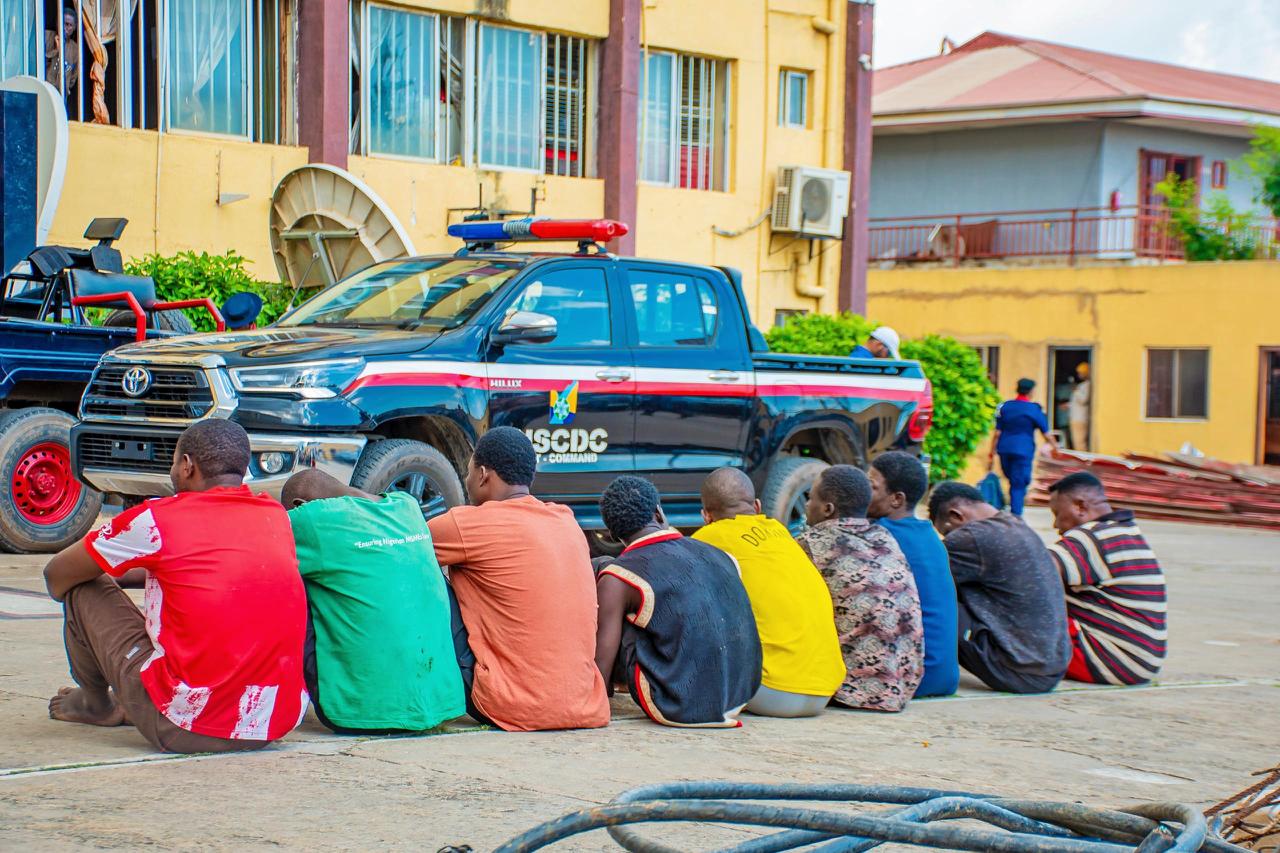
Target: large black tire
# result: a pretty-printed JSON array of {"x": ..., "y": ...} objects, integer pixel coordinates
[
  {"x": 404, "y": 465},
  {"x": 44, "y": 507},
  {"x": 787, "y": 488},
  {"x": 173, "y": 321}
]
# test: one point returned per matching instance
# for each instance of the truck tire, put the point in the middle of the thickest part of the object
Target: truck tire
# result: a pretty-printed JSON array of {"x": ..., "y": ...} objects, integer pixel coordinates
[
  {"x": 172, "y": 321},
  {"x": 404, "y": 465},
  {"x": 787, "y": 489},
  {"x": 45, "y": 508}
]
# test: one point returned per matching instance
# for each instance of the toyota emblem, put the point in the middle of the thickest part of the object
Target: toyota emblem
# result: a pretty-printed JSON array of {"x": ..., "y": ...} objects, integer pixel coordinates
[{"x": 136, "y": 381}]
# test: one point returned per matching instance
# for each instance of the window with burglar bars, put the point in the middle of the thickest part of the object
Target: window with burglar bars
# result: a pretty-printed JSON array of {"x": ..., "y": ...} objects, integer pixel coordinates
[
  {"x": 512, "y": 99},
  {"x": 209, "y": 66},
  {"x": 684, "y": 121}
]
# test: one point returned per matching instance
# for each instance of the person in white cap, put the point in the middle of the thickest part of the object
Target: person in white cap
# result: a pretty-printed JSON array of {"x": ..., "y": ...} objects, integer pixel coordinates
[{"x": 883, "y": 343}]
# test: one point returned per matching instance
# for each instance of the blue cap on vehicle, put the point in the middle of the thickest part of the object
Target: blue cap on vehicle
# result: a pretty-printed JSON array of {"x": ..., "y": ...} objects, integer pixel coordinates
[{"x": 241, "y": 309}]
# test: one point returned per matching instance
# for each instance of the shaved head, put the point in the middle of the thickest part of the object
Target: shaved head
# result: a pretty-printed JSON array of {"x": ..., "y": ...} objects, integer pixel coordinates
[
  {"x": 312, "y": 484},
  {"x": 727, "y": 492}
]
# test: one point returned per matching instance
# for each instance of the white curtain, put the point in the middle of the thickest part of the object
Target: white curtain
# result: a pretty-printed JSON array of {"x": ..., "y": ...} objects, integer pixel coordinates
[{"x": 206, "y": 62}]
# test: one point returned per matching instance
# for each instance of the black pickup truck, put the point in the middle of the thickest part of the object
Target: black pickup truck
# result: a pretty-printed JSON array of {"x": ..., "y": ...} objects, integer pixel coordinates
[
  {"x": 610, "y": 365},
  {"x": 49, "y": 349}
]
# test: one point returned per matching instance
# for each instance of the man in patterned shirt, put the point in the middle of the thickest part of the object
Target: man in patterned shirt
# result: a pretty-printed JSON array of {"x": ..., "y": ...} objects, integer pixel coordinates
[
  {"x": 876, "y": 603},
  {"x": 1114, "y": 587}
]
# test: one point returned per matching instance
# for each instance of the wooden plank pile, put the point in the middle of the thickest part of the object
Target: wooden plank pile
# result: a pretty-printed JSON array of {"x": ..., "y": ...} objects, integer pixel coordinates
[{"x": 1172, "y": 486}]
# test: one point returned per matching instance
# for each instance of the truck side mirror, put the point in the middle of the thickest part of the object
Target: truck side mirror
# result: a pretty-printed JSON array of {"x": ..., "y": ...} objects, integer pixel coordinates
[{"x": 526, "y": 327}]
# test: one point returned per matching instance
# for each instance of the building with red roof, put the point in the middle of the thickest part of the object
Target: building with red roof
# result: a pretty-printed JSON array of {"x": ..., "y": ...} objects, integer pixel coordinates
[{"x": 1003, "y": 123}]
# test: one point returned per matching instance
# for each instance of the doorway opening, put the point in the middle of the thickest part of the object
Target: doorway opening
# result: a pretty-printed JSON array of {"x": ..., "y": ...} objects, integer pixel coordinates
[
  {"x": 1071, "y": 395},
  {"x": 1269, "y": 407},
  {"x": 1154, "y": 237}
]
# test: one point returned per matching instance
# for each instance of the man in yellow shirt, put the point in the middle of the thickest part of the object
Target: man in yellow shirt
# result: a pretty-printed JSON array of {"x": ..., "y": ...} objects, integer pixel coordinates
[{"x": 803, "y": 665}]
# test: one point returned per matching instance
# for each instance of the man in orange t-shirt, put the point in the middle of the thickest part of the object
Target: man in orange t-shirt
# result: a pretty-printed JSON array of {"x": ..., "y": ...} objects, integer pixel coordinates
[{"x": 521, "y": 571}]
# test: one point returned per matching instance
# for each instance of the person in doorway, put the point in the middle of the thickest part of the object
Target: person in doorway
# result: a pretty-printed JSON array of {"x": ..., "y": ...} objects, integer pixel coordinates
[
  {"x": 883, "y": 342},
  {"x": 216, "y": 662},
  {"x": 241, "y": 310},
  {"x": 1012, "y": 617},
  {"x": 1116, "y": 603},
  {"x": 1078, "y": 408},
  {"x": 876, "y": 604},
  {"x": 1017, "y": 422},
  {"x": 675, "y": 621},
  {"x": 521, "y": 571},
  {"x": 802, "y": 664},
  {"x": 61, "y": 56},
  {"x": 379, "y": 655},
  {"x": 898, "y": 483}
]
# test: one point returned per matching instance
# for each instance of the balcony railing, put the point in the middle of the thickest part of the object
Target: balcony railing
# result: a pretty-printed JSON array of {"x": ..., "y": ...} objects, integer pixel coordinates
[{"x": 1071, "y": 233}]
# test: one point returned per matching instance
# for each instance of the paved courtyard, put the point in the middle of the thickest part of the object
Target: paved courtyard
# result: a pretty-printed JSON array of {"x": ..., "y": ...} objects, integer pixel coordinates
[{"x": 1213, "y": 718}]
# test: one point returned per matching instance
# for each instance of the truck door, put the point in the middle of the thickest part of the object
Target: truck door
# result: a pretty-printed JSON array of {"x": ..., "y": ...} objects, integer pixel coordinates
[
  {"x": 573, "y": 396},
  {"x": 694, "y": 380}
]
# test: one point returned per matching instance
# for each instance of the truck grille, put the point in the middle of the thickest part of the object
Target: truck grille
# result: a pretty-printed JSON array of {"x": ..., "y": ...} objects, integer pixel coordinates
[
  {"x": 176, "y": 394},
  {"x": 103, "y": 451}
]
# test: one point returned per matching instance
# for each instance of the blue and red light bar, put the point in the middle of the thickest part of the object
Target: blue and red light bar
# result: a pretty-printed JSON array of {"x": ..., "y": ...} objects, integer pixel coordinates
[{"x": 520, "y": 230}]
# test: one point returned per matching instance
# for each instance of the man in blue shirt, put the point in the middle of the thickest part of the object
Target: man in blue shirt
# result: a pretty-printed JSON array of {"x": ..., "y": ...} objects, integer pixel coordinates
[
  {"x": 1017, "y": 422},
  {"x": 883, "y": 343},
  {"x": 898, "y": 482}
]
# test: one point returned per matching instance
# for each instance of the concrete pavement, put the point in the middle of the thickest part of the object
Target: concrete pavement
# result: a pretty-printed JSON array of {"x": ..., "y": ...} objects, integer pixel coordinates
[{"x": 1194, "y": 737}]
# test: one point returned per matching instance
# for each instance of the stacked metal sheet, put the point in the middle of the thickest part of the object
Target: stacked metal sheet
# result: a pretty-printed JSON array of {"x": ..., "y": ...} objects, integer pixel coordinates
[{"x": 1173, "y": 486}]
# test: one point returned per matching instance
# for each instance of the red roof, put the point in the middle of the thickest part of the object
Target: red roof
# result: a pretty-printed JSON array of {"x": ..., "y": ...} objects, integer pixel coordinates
[{"x": 995, "y": 71}]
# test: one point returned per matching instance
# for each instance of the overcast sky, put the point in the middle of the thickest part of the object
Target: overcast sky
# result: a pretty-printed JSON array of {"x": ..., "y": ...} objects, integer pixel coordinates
[{"x": 1240, "y": 37}]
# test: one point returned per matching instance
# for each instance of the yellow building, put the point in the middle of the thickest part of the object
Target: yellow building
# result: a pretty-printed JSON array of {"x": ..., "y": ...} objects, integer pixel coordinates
[
  {"x": 674, "y": 116},
  {"x": 1182, "y": 352}
]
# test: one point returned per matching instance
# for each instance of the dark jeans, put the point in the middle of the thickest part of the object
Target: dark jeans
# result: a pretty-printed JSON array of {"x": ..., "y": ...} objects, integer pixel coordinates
[
  {"x": 107, "y": 645},
  {"x": 978, "y": 658},
  {"x": 1017, "y": 470},
  {"x": 466, "y": 658}
]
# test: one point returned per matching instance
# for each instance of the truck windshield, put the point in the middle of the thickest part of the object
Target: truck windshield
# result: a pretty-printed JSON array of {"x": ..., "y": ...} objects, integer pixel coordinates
[{"x": 440, "y": 293}]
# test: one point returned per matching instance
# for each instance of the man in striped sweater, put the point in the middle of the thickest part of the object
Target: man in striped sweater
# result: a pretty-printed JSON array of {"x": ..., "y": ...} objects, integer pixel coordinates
[{"x": 1114, "y": 587}]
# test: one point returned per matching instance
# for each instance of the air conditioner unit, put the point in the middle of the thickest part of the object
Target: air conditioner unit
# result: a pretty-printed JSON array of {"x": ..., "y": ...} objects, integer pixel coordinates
[{"x": 810, "y": 202}]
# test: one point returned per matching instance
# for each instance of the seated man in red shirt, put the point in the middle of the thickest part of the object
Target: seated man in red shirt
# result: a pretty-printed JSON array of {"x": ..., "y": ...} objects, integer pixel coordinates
[{"x": 216, "y": 662}]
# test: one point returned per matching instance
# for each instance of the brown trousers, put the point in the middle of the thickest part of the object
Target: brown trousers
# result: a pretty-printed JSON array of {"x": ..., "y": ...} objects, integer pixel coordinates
[{"x": 107, "y": 644}]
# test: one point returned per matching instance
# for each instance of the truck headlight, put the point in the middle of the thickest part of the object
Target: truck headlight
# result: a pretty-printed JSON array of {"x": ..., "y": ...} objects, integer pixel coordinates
[{"x": 315, "y": 380}]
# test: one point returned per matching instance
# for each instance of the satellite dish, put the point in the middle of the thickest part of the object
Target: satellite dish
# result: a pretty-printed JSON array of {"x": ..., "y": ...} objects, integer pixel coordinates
[
  {"x": 327, "y": 224},
  {"x": 51, "y": 148}
]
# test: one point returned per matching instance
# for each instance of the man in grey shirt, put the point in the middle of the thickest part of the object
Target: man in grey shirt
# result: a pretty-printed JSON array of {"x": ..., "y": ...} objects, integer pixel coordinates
[{"x": 1013, "y": 618}]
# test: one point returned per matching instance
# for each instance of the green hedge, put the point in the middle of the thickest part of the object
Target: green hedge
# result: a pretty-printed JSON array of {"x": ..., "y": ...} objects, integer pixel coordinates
[
  {"x": 964, "y": 400},
  {"x": 188, "y": 275}
]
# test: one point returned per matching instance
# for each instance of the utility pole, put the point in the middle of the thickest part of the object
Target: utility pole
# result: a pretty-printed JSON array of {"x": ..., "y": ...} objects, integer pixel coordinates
[{"x": 859, "y": 25}]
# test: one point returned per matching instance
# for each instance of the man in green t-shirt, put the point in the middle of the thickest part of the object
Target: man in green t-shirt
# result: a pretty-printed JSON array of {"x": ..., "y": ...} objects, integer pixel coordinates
[{"x": 380, "y": 653}]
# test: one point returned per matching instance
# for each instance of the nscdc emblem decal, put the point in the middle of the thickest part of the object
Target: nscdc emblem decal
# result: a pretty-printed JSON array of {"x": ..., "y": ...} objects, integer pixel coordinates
[
  {"x": 567, "y": 445},
  {"x": 564, "y": 405},
  {"x": 136, "y": 381}
]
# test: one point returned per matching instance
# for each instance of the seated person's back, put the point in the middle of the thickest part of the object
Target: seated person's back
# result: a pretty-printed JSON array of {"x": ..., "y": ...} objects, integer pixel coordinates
[
  {"x": 380, "y": 654},
  {"x": 675, "y": 622},
  {"x": 522, "y": 574},
  {"x": 898, "y": 482},
  {"x": 790, "y": 601},
  {"x": 1115, "y": 590},
  {"x": 877, "y": 608},
  {"x": 217, "y": 664},
  {"x": 1013, "y": 621}
]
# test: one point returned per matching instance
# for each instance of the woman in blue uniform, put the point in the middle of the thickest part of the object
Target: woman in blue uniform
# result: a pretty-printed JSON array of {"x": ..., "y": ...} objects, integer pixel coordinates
[{"x": 1017, "y": 422}]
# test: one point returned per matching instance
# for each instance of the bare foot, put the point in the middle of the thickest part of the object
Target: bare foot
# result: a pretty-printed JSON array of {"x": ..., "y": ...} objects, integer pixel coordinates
[{"x": 73, "y": 705}]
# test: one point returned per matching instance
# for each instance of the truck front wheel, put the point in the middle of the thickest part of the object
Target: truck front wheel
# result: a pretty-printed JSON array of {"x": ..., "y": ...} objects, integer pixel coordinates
[
  {"x": 787, "y": 488},
  {"x": 47, "y": 508},
  {"x": 403, "y": 465}
]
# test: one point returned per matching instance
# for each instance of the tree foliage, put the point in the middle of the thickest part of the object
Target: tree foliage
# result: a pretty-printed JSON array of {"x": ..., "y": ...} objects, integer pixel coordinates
[
  {"x": 964, "y": 400},
  {"x": 188, "y": 275},
  {"x": 1219, "y": 233},
  {"x": 1262, "y": 161}
]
